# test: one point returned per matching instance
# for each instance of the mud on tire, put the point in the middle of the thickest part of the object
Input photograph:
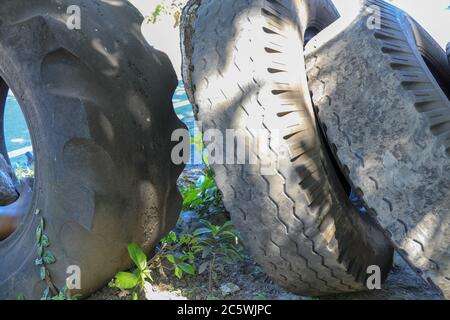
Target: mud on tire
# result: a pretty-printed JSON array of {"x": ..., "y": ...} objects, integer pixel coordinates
[{"x": 244, "y": 69}]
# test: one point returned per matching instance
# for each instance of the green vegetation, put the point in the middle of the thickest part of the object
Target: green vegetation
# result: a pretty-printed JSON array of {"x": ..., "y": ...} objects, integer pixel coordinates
[
  {"x": 134, "y": 280},
  {"x": 167, "y": 7},
  {"x": 202, "y": 195},
  {"x": 23, "y": 171},
  {"x": 44, "y": 258},
  {"x": 217, "y": 245},
  {"x": 207, "y": 248}
]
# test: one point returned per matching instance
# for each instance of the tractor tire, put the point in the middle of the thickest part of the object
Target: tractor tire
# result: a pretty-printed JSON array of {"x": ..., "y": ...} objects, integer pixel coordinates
[
  {"x": 244, "y": 70},
  {"x": 98, "y": 103},
  {"x": 382, "y": 96}
]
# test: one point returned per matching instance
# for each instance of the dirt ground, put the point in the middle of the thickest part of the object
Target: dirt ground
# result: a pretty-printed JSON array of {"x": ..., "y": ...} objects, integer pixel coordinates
[{"x": 254, "y": 284}]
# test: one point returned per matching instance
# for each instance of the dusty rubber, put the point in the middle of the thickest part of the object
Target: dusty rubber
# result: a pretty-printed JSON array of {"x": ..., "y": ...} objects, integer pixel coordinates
[
  {"x": 448, "y": 52},
  {"x": 98, "y": 102},
  {"x": 244, "y": 69},
  {"x": 388, "y": 120}
]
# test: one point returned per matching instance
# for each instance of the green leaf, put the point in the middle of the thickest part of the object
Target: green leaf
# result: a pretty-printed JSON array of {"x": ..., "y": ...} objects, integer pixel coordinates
[
  {"x": 134, "y": 296},
  {"x": 208, "y": 224},
  {"x": 39, "y": 250},
  {"x": 178, "y": 272},
  {"x": 212, "y": 298},
  {"x": 49, "y": 257},
  {"x": 206, "y": 253},
  {"x": 170, "y": 258},
  {"x": 203, "y": 267},
  {"x": 46, "y": 293},
  {"x": 38, "y": 234},
  {"x": 201, "y": 231},
  {"x": 137, "y": 255},
  {"x": 147, "y": 274},
  {"x": 187, "y": 268},
  {"x": 21, "y": 297},
  {"x": 45, "y": 241},
  {"x": 170, "y": 238},
  {"x": 60, "y": 296},
  {"x": 126, "y": 280},
  {"x": 189, "y": 199},
  {"x": 42, "y": 272},
  {"x": 42, "y": 224},
  {"x": 225, "y": 226}
]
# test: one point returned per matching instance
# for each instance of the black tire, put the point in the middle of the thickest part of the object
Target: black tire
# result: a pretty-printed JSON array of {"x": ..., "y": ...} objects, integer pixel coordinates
[
  {"x": 243, "y": 62},
  {"x": 98, "y": 103},
  {"x": 383, "y": 97},
  {"x": 448, "y": 52}
]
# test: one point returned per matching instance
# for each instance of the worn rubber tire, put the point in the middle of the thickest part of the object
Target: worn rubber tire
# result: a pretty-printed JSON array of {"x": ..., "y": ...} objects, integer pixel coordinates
[
  {"x": 98, "y": 102},
  {"x": 388, "y": 119},
  {"x": 448, "y": 52},
  {"x": 244, "y": 70}
]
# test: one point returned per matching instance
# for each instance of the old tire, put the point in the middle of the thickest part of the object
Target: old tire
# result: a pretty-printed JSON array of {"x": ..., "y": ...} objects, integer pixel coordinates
[
  {"x": 244, "y": 69},
  {"x": 98, "y": 105},
  {"x": 448, "y": 52},
  {"x": 382, "y": 96}
]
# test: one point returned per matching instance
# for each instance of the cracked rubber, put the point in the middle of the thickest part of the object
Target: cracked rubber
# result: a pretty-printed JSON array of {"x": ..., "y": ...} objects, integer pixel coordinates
[
  {"x": 244, "y": 69},
  {"x": 387, "y": 117},
  {"x": 98, "y": 102}
]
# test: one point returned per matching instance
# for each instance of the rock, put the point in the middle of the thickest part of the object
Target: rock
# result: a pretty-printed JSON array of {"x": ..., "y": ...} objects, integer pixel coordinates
[
  {"x": 8, "y": 192},
  {"x": 153, "y": 293},
  {"x": 229, "y": 289}
]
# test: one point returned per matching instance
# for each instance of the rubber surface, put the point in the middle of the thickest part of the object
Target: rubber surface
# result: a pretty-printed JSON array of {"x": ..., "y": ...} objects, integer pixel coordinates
[
  {"x": 98, "y": 105},
  {"x": 448, "y": 52},
  {"x": 388, "y": 118},
  {"x": 244, "y": 70}
]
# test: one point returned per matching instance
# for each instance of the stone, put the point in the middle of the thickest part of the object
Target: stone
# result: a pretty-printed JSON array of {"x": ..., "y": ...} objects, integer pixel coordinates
[{"x": 229, "y": 289}]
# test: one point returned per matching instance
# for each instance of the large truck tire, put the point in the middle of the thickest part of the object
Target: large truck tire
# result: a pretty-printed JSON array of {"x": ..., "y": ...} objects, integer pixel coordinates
[
  {"x": 98, "y": 103},
  {"x": 244, "y": 70},
  {"x": 382, "y": 96},
  {"x": 448, "y": 52}
]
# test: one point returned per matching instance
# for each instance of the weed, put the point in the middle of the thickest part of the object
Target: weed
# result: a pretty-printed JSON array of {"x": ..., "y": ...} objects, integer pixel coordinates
[
  {"x": 210, "y": 246},
  {"x": 23, "y": 171},
  {"x": 203, "y": 195},
  {"x": 217, "y": 245},
  {"x": 134, "y": 280}
]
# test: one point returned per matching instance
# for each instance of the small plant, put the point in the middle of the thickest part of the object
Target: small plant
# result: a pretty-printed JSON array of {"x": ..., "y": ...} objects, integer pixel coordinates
[
  {"x": 210, "y": 246},
  {"x": 260, "y": 296},
  {"x": 180, "y": 253},
  {"x": 203, "y": 195},
  {"x": 218, "y": 245},
  {"x": 45, "y": 257},
  {"x": 23, "y": 171},
  {"x": 199, "y": 147},
  {"x": 134, "y": 280},
  {"x": 168, "y": 7}
]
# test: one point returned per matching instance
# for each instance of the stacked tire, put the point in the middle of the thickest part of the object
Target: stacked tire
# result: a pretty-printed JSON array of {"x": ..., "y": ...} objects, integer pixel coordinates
[{"x": 366, "y": 115}]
